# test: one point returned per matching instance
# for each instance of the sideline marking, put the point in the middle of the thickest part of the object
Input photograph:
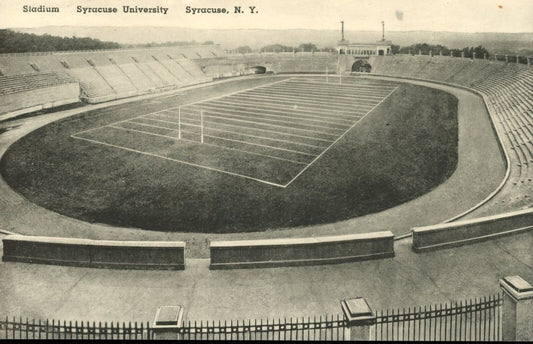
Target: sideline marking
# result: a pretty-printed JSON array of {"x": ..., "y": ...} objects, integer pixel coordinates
[
  {"x": 176, "y": 160},
  {"x": 340, "y": 137}
]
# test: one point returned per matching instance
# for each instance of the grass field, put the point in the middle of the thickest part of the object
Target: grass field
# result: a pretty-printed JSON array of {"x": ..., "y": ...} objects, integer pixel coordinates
[
  {"x": 270, "y": 134},
  {"x": 275, "y": 153}
]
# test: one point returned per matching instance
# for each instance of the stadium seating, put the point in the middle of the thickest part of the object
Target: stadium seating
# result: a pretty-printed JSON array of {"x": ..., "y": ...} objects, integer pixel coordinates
[
  {"x": 239, "y": 64},
  {"x": 35, "y": 91},
  {"x": 508, "y": 92},
  {"x": 113, "y": 74},
  {"x": 26, "y": 82}
]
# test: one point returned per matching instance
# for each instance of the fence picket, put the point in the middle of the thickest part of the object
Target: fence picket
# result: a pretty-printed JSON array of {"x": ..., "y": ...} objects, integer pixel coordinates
[{"x": 473, "y": 320}]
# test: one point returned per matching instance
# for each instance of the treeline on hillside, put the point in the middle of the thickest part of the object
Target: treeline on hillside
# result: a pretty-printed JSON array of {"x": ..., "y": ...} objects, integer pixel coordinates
[
  {"x": 425, "y": 48},
  {"x": 304, "y": 47},
  {"x": 165, "y": 44},
  {"x": 18, "y": 42}
]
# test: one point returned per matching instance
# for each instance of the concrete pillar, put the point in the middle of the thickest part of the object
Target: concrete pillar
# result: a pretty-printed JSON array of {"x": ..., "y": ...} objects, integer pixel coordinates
[
  {"x": 360, "y": 318},
  {"x": 431, "y": 53},
  {"x": 517, "y": 317},
  {"x": 440, "y": 53},
  {"x": 419, "y": 51},
  {"x": 506, "y": 58},
  {"x": 517, "y": 59},
  {"x": 473, "y": 55},
  {"x": 462, "y": 54},
  {"x": 528, "y": 61},
  {"x": 451, "y": 53},
  {"x": 167, "y": 323},
  {"x": 484, "y": 56}
]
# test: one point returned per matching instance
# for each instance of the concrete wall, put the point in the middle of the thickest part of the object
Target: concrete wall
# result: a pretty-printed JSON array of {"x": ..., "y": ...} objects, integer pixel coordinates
[
  {"x": 301, "y": 251},
  {"x": 469, "y": 231},
  {"x": 160, "y": 255},
  {"x": 41, "y": 98}
]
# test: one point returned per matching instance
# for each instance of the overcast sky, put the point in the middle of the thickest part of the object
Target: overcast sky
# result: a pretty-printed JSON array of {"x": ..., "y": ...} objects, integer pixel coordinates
[{"x": 399, "y": 15}]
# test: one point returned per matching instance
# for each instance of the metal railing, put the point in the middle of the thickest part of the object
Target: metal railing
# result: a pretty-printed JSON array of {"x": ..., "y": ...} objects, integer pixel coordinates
[
  {"x": 472, "y": 320},
  {"x": 316, "y": 328},
  {"x": 25, "y": 329}
]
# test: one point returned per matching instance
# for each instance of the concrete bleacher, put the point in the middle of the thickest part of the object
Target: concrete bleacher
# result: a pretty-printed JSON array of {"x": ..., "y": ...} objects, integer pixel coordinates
[
  {"x": 35, "y": 91},
  {"x": 507, "y": 89},
  {"x": 238, "y": 64},
  {"x": 112, "y": 74}
]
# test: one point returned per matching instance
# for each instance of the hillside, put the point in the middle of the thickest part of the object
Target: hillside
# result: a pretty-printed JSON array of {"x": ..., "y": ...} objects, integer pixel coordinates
[{"x": 256, "y": 38}]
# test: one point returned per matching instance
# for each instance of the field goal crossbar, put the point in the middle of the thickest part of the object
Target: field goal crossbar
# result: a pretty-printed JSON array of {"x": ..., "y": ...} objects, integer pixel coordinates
[{"x": 201, "y": 125}]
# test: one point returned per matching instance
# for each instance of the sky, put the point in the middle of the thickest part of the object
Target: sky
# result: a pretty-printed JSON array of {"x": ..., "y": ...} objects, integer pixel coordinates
[{"x": 399, "y": 15}]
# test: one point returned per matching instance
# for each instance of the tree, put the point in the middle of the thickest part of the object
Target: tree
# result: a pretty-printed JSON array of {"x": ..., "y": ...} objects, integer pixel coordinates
[
  {"x": 244, "y": 49},
  {"x": 310, "y": 47},
  {"x": 11, "y": 42},
  {"x": 276, "y": 48}
]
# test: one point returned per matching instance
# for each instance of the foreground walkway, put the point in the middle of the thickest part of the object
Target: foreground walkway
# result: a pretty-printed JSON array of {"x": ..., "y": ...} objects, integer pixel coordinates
[{"x": 409, "y": 279}]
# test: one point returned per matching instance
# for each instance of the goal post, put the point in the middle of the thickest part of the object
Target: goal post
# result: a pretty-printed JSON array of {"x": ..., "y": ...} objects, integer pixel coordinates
[
  {"x": 201, "y": 126},
  {"x": 179, "y": 123}
]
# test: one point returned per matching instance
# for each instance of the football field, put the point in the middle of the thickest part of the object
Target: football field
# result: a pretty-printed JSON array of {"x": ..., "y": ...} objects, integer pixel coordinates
[{"x": 270, "y": 134}]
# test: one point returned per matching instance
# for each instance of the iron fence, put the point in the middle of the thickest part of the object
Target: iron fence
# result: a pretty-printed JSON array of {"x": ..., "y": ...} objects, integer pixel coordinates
[
  {"x": 471, "y": 320},
  {"x": 316, "y": 328},
  {"x": 25, "y": 329},
  {"x": 477, "y": 319}
]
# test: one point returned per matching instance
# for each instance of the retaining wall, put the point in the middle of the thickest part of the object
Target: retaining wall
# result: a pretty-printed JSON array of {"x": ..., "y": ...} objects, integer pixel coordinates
[
  {"x": 465, "y": 232},
  {"x": 301, "y": 251},
  {"x": 158, "y": 255},
  {"x": 41, "y": 98}
]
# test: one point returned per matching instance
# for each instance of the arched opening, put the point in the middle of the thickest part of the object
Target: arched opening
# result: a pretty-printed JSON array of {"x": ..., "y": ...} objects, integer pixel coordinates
[
  {"x": 258, "y": 69},
  {"x": 361, "y": 66},
  {"x": 381, "y": 52}
]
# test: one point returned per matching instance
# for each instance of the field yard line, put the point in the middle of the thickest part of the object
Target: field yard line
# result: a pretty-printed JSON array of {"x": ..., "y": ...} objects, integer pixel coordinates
[
  {"x": 147, "y": 125},
  {"x": 260, "y": 145},
  {"x": 208, "y": 144},
  {"x": 269, "y": 131},
  {"x": 312, "y": 93},
  {"x": 271, "y": 107},
  {"x": 218, "y": 112},
  {"x": 275, "y": 108},
  {"x": 175, "y": 117},
  {"x": 288, "y": 99},
  {"x": 323, "y": 102},
  {"x": 157, "y": 120},
  {"x": 233, "y": 132},
  {"x": 176, "y": 160},
  {"x": 260, "y": 110},
  {"x": 178, "y": 106},
  {"x": 336, "y": 87},
  {"x": 348, "y": 85},
  {"x": 125, "y": 120},
  {"x": 366, "y": 89},
  {"x": 264, "y": 137},
  {"x": 271, "y": 125},
  {"x": 335, "y": 94},
  {"x": 340, "y": 137},
  {"x": 232, "y": 93},
  {"x": 350, "y": 101}
]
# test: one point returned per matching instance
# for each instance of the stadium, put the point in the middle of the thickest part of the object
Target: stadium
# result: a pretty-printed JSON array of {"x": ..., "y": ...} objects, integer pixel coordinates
[{"x": 196, "y": 192}]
